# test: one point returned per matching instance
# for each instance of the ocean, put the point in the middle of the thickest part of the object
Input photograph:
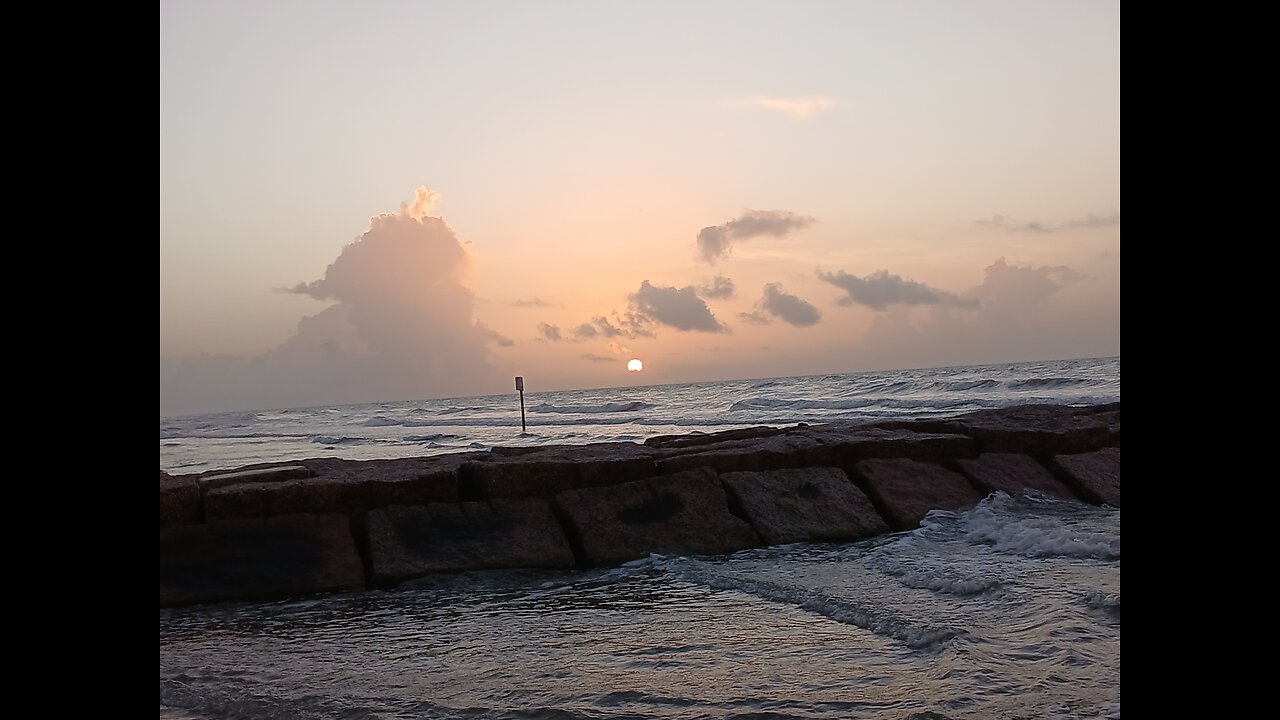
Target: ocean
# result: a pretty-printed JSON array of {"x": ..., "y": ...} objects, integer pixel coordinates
[
  {"x": 1007, "y": 609},
  {"x": 200, "y": 443}
]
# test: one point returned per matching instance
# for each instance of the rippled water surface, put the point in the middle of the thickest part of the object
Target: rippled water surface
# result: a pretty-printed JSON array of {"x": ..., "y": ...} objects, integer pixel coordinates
[
  {"x": 1009, "y": 609},
  {"x": 428, "y": 427}
]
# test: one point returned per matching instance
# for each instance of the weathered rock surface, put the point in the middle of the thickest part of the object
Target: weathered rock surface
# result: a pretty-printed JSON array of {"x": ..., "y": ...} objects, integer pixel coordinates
[
  {"x": 905, "y": 490},
  {"x": 179, "y": 500},
  {"x": 1038, "y": 430},
  {"x": 695, "y": 440},
  {"x": 400, "y": 481},
  {"x": 549, "y": 471},
  {"x": 409, "y": 541},
  {"x": 803, "y": 505},
  {"x": 845, "y": 445},
  {"x": 250, "y": 559},
  {"x": 235, "y": 502},
  {"x": 1011, "y": 473},
  {"x": 256, "y": 474},
  {"x": 1108, "y": 413},
  {"x": 276, "y": 529},
  {"x": 1095, "y": 476},
  {"x": 839, "y": 445},
  {"x": 773, "y": 452},
  {"x": 333, "y": 485},
  {"x": 683, "y": 513}
]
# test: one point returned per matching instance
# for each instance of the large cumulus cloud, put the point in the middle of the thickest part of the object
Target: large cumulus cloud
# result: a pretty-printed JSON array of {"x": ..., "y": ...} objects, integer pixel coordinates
[{"x": 400, "y": 324}]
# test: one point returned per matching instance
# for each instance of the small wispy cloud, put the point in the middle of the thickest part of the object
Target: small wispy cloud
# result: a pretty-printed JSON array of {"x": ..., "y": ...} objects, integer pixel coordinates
[
  {"x": 1092, "y": 220},
  {"x": 1004, "y": 222},
  {"x": 718, "y": 288},
  {"x": 550, "y": 332},
  {"x": 801, "y": 108},
  {"x": 597, "y": 358},
  {"x": 600, "y": 326},
  {"x": 531, "y": 302}
]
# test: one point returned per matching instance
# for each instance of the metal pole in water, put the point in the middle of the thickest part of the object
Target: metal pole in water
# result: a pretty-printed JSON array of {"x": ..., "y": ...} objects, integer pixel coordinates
[{"x": 520, "y": 387}]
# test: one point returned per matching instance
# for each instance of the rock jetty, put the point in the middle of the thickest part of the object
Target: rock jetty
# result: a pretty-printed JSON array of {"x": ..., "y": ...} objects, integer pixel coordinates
[{"x": 282, "y": 530}]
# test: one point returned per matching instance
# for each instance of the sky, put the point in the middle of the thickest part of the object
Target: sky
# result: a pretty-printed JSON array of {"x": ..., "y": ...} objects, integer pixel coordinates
[{"x": 384, "y": 201}]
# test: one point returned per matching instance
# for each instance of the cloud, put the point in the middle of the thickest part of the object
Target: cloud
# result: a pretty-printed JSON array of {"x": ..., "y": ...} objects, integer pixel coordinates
[
  {"x": 802, "y": 107},
  {"x": 495, "y": 336},
  {"x": 1092, "y": 221},
  {"x": 620, "y": 349},
  {"x": 549, "y": 332},
  {"x": 401, "y": 325},
  {"x": 1010, "y": 290},
  {"x": 601, "y": 326},
  {"x": 1024, "y": 313},
  {"x": 598, "y": 358},
  {"x": 879, "y": 290},
  {"x": 1089, "y": 221},
  {"x": 531, "y": 302},
  {"x": 784, "y": 306},
  {"x": 679, "y": 308},
  {"x": 718, "y": 288},
  {"x": 424, "y": 201},
  {"x": 714, "y": 242}
]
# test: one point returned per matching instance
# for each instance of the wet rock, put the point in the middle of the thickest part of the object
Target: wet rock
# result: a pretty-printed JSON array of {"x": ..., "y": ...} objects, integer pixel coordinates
[
  {"x": 258, "y": 559},
  {"x": 837, "y": 445},
  {"x": 695, "y": 440},
  {"x": 409, "y": 541},
  {"x": 554, "y": 470},
  {"x": 179, "y": 500},
  {"x": 1011, "y": 473},
  {"x": 235, "y": 502},
  {"x": 400, "y": 481},
  {"x": 612, "y": 501},
  {"x": 333, "y": 485},
  {"x": 1095, "y": 476},
  {"x": 252, "y": 474},
  {"x": 1038, "y": 430},
  {"x": 803, "y": 505},
  {"x": 683, "y": 513},
  {"x": 904, "y": 490},
  {"x": 771, "y": 452},
  {"x": 844, "y": 445}
]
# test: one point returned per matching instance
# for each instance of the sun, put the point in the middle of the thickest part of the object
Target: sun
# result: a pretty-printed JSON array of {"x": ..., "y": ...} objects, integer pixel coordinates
[{"x": 635, "y": 365}]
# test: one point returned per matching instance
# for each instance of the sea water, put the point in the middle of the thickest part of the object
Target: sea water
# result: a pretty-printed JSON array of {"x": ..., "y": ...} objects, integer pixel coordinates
[
  {"x": 1006, "y": 609},
  {"x": 429, "y": 427}
]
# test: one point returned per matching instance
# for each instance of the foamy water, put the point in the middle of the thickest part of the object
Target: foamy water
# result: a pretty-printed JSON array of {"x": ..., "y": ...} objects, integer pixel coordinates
[
  {"x": 1009, "y": 609},
  {"x": 429, "y": 427}
]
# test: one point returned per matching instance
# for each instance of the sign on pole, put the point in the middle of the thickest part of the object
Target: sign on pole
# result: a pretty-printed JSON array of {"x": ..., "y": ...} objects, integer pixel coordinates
[{"x": 520, "y": 387}]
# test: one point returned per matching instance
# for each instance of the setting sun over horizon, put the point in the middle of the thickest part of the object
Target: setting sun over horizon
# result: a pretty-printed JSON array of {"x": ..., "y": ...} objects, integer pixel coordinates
[{"x": 380, "y": 211}]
